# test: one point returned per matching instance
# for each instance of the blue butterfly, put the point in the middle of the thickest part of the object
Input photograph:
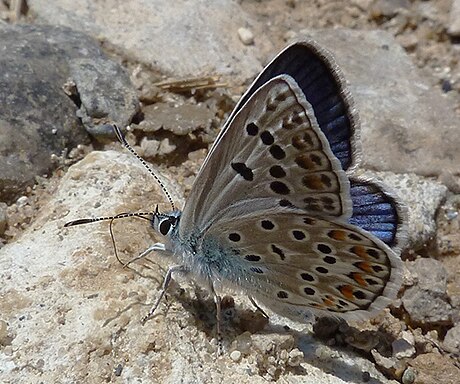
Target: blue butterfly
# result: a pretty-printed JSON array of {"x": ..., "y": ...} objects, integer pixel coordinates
[{"x": 277, "y": 210}]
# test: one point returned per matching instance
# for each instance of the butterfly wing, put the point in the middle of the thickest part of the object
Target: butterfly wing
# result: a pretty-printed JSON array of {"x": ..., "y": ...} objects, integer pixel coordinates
[
  {"x": 272, "y": 149},
  {"x": 316, "y": 73},
  {"x": 275, "y": 209},
  {"x": 295, "y": 263},
  {"x": 377, "y": 210}
]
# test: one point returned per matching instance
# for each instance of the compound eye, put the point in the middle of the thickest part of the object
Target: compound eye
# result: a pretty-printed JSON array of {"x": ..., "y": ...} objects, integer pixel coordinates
[{"x": 165, "y": 226}]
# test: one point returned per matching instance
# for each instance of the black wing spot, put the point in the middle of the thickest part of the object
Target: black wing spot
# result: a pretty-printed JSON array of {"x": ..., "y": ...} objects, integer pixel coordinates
[
  {"x": 278, "y": 251},
  {"x": 298, "y": 235},
  {"x": 252, "y": 257},
  {"x": 309, "y": 221},
  {"x": 323, "y": 248},
  {"x": 267, "y": 138},
  {"x": 245, "y": 172},
  {"x": 267, "y": 224},
  {"x": 277, "y": 171},
  {"x": 252, "y": 129},
  {"x": 282, "y": 294},
  {"x": 309, "y": 291},
  {"x": 286, "y": 203},
  {"x": 279, "y": 188},
  {"x": 373, "y": 253},
  {"x": 277, "y": 152},
  {"x": 235, "y": 237},
  {"x": 322, "y": 270},
  {"x": 330, "y": 260},
  {"x": 306, "y": 276},
  {"x": 355, "y": 237},
  {"x": 359, "y": 295}
]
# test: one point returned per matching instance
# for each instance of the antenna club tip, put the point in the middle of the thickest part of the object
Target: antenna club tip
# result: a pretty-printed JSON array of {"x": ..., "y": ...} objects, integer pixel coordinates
[{"x": 77, "y": 222}]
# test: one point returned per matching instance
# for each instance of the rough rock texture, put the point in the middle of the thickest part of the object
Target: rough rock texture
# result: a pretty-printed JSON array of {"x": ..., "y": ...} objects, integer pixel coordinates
[
  {"x": 406, "y": 126},
  {"x": 431, "y": 368},
  {"x": 452, "y": 340},
  {"x": 422, "y": 198},
  {"x": 180, "y": 120},
  {"x": 70, "y": 312},
  {"x": 454, "y": 23},
  {"x": 37, "y": 118},
  {"x": 426, "y": 301},
  {"x": 180, "y": 38}
]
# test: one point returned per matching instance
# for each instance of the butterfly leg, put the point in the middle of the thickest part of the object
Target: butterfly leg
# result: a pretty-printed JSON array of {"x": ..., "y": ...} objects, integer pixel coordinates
[
  {"x": 218, "y": 301},
  {"x": 166, "y": 281},
  {"x": 254, "y": 303},
  {"x": 152, "y": 248}
]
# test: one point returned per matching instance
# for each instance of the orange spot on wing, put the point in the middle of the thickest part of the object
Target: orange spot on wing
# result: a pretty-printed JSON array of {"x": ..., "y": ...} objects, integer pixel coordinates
[
  {"x": 313, "y": 182},
  {"x": 360, "y": 251},
  {"x": 328, "y": 302},
  {"x": 347, "y": 291},
  {"x": 364, "y": 266},
  {"x": 337, "y": 235},
  {"x": 359, "y": 279}
]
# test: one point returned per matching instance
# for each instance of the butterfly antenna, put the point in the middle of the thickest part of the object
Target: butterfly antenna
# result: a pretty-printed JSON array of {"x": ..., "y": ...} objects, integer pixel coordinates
[
  {"x": 141, "y": 215},
  {"x": 122, "y": 140}
]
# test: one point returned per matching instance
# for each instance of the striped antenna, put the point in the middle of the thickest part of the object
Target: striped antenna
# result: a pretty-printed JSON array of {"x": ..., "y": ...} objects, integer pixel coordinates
[
  {"x": 122, "y": 139},
  {"x": 141, "y": 215}
]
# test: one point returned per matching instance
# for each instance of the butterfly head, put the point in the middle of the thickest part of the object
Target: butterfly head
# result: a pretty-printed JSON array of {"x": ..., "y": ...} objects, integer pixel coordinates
[{"x": 165, "y": 223}]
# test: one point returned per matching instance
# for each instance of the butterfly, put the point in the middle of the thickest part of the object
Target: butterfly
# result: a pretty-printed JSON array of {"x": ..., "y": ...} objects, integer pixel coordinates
[{"x": 278, "y": 210}]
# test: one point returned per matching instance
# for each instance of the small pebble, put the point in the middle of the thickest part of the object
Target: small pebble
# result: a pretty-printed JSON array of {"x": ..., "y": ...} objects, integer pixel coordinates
[
  {"x": 3, "y": 330},
  {"x": 118, "y": 370},
  {"x": 246, "y": 36},
  {"x": 408, "y": 376},
  {"x": 235, "y": 356},
  {"x": 23, "y": 200},
  {"x": 446, "y": 86},
  {"x": 3, "y": 218},
  {"x": 295, "y": 358}
]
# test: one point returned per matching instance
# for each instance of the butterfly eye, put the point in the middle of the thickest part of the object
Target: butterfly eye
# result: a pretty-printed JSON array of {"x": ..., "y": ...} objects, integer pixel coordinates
[{"x": 165, "y": 226}]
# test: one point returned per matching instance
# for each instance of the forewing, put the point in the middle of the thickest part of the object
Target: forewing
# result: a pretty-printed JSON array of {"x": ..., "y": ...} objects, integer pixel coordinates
[
  {"x": 295, "y": 263},
  {"x": 272, "y": 149},
  {"x": 320, "y": 79}
]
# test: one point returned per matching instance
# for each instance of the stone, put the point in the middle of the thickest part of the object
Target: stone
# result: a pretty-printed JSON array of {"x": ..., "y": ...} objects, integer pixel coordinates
[
  {"x": 454, "y": 23},
  {"x": 179, "y": 38},
  {"x": 105, "y": 93},
  {"x": 432, "y": 368},
  {"x": 402, "y": 349},
  {"x": 451, "y": 341},
  {"x": 154, "y": 148},
  {"x": 246, "y": 36},
  {"x": 406, "y": 126},
  {"x": 448, "y": 224},
  {"x": 180, "y": 119},
  {"x": 388, "y": 8},
  {"x": 3, "y": 217},
  {"x": 426, "y": 301},
  {"x": 409, "y": 376},
  {"x": 39, "y": 122},
  {"x": 235, "y": 356}
]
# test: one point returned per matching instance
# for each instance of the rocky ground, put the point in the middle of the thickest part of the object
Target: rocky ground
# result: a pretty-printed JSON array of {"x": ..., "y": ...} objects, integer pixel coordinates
[{"x": 69, "y": 312}]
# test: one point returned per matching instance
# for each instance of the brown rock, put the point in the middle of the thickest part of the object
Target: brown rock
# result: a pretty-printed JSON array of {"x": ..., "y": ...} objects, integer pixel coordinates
[{"x": 433, "y": 368}]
